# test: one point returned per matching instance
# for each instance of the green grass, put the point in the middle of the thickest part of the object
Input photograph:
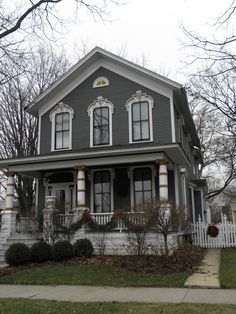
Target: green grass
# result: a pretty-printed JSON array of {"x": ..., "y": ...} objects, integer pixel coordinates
[
  {"x": 227, "y": 273},
  {"x": 18, "y": 306},
  {"x": 94, "y": 275}
]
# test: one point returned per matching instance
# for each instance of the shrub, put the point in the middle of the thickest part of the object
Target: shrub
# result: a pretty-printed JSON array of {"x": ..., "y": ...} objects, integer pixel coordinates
[
  {"x": 83, "y": 248},
  {"x": 41, "y": 252},
  {"x": 17, "y": 254},
  {"x": 62, "y": 251}
]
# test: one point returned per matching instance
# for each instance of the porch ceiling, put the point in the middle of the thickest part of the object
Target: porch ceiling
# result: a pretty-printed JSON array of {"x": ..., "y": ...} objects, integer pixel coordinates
[{"x": 36, "y": 164}]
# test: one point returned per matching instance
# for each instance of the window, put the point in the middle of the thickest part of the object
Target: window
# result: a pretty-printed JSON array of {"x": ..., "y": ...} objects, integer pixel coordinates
[
  {"x": 102, "y": 191},
  {"x": 142, "y": 182},
  {"x": 100, "y": 82},
  {"x": 140, "y": 121},
  {"x": 62, "y": 129},
  {"x": 101, "y": 126},
  {"x": 61, "y": 118},
  {"x": 100, "y": 112},
  {"x": 139, "y": 108}
]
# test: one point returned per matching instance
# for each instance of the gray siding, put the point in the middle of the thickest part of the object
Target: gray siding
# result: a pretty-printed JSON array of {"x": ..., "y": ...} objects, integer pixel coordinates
[{"x": 118, "y": 92}]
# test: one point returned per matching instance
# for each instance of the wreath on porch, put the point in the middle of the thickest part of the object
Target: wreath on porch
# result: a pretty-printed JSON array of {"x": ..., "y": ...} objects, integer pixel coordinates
[{"x": 212, "y": 231}]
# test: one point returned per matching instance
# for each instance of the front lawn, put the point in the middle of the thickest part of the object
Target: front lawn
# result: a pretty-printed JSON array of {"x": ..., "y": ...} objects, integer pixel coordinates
[
  {"x": 94, "y": 275},
  {"x": 227, "y": 273},
  {"x": 19, "y": 306}
]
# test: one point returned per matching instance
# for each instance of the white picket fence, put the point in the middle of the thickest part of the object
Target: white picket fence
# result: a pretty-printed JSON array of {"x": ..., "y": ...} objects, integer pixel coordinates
[{"x": 225, "y": 238}]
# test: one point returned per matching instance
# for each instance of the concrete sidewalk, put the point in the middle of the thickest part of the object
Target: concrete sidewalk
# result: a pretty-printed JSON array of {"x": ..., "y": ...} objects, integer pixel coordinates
[
  {"x": 112, "y": 294},
  {"x": 207, "y": 275}
]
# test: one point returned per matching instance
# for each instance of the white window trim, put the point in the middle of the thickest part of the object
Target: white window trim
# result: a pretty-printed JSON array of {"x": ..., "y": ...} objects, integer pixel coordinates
[
  {"x": 139, "y": 96},
  {"x": 103, "y": 78},
  {"x": 61, "y": 108},
  {"x": 112, "y": 177},
  {"x": 99, "y": 103},
  {"x": 131, "y": 174}
]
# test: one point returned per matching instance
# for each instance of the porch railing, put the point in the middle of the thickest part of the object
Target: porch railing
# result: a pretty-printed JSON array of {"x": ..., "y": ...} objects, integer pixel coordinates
[{"x": 103, "y": 218}]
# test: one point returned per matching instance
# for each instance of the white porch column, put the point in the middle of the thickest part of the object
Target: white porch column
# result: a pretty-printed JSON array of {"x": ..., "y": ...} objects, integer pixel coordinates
[
  {"x": 163, "y": 180},
  {"x": 10, "y": 190},
  {"x": 9, "y": 214},
  {"x": 81, "y": 186}
]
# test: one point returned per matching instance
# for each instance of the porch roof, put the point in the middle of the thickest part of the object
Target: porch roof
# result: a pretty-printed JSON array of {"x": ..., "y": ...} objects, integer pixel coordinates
[{"x": 32, "y": 166}]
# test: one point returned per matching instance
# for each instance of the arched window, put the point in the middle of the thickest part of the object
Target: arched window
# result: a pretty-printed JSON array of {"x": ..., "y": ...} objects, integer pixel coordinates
[
  {"x": 100, "y": 82},
  {"x": 139, "y": 107},
  {"x": 100, "y": 112},
  {"x": 61, "y": 118}
]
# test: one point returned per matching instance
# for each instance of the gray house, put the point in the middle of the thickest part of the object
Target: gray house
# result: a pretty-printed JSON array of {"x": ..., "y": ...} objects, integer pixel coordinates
[{"x": 113, "y": 135}]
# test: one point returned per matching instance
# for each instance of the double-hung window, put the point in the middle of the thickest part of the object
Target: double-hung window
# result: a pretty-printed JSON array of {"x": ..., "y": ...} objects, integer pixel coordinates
[
  {"x": 100, "y": 112},
  {"x": 140, "y": 121},
  {"x": 102, "y": 191},
  {"x": 61, "y": 128},
  {"x": 101, "y": 126},
  {"x": 142, "y": 184},
  {"x": 139, "y": 108}
]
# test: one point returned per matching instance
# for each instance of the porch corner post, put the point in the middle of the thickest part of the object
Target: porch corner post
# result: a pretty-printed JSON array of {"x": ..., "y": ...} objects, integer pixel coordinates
[
  {"x": 48, "y": 223},
  {"x": 163, "y": 179},
  {"x": 81, "y": 186},
  {"x": 9, "y": 214}
]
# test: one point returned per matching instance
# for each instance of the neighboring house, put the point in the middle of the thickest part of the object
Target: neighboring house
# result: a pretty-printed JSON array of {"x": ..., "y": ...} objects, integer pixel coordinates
[{"x": 113, "y": 135}]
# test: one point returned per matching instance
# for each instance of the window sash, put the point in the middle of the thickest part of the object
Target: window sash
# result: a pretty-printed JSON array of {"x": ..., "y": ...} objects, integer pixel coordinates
[
  {"x": 140, "y": 121},
  {"x": 101, "y": 126},
  {"x": 102, "y": 192}
]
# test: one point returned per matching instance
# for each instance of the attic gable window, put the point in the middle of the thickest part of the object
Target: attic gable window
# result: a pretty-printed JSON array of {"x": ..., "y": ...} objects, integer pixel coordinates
[
  {"x": 61, "y": 118},
  {"x": 139, "y": 108},
  {"x": 100, "y": 112},
  {"x": 100, "y": 82}
]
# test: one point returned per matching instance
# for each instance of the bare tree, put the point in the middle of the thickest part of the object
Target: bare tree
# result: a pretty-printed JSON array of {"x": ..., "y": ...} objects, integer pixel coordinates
[
  {"x": 21, "y": 22},
  {"x": 213, "y": 95},
  {"x": 19, "y": 130}
]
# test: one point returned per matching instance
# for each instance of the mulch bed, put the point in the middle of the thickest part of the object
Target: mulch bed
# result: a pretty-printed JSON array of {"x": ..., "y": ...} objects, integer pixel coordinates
[{"x": 184, "y": 259}]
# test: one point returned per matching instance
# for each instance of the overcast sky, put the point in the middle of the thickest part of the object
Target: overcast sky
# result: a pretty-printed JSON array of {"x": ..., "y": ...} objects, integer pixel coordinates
[{"x": 148, "y": 27}]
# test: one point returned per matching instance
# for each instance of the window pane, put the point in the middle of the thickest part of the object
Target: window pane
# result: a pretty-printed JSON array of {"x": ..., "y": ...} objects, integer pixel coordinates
[
  {"x": 138, "y": 198},
  {"x": 147, "y": 185},
  {"x": 138, "y": 185},
  {"x": 106, "y": 203},
  {"x": 66, "y": 121},
  {"x": 58, "y": 122},
  {"x": 136, "y": 131},
  {"x": 106, "y": 187},
  {"x": 97, "y": 116},
  {"x": 144, "y": 111},
  {"x": 98, "y": 203},
  {"x": 105, "y": 116},
  {"x": 147, "y": 196},
  {"x": 58, "y": 141},
  {"x": 96, "y": 136},
  {"x": 104, "y": 134},
  {"x": 136, "y": 111},
  {"x": 145, "y": 130},
  {"x": 146, "y": 173},
  {"x": 65, "y": 139}
]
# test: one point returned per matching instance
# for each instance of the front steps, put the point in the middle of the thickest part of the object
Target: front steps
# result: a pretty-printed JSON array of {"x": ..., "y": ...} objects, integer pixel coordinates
[{"x": 16, "y": 238}]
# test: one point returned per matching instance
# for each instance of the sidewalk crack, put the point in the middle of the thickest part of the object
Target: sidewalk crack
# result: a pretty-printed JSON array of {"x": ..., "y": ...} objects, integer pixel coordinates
[
  {"x": 184, "y": 296},
  {"x": 33, "y": 295}
]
